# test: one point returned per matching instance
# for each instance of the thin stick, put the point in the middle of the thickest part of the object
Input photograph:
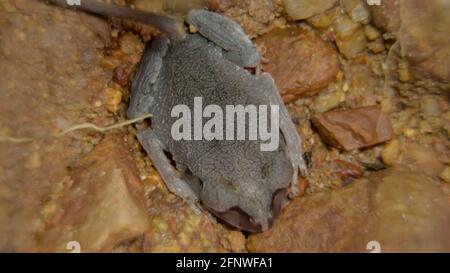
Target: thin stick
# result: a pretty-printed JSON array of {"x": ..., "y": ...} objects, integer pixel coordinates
[
  {"x": 20, "y": 140},
  {"x": 102, "y": 129},
  {"x": 15, "y": 140}
]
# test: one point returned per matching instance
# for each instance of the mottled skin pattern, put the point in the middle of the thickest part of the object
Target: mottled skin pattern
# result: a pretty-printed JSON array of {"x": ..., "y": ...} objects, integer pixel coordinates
[{"x": 234, "y": 180}]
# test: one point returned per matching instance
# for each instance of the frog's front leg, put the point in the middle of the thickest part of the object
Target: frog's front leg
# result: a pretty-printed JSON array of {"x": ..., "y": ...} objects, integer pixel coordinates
[
  {"x": 143, "y": 90},
  {"x": 226, "y": 34},
  {"x": 155, "y": 149},
  {"x": 287, "y": 127}
]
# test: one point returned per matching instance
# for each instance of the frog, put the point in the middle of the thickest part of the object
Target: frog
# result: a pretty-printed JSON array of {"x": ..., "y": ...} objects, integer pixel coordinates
[{"x": 234, "y": 180}]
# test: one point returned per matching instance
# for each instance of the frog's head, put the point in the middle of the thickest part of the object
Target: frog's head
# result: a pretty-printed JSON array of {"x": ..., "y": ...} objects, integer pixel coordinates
[{"x": 252, "y": 201}]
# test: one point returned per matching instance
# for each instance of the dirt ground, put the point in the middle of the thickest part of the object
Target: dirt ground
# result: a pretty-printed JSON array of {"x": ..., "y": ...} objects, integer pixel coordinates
[{"x": 367, "y": 88}]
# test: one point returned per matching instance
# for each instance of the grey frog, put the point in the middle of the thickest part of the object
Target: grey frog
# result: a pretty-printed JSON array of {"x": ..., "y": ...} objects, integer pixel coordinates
[{"x": 233, "y": 179}]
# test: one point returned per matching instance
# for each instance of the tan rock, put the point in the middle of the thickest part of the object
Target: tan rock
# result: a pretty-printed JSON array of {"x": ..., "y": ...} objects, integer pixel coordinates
[
  {"x": 357, "y": 10},
  {"x": 354, "y": 128},
  {"x": 324, "y": 19},
  {"x": 390, "y": 152},
  {"x": 303, "y": 9},
  {"x": 425, "y": 158},
  {"x": 352, "y": 45},
  {"x": 113, "y": 97},
  {"x": 102, "y": 206},
  {"x": 371, "y": 32},
  {"x": 445, "y": 174}
]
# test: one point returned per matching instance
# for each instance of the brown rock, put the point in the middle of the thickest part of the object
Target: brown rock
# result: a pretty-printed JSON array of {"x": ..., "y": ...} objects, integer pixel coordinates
[
  {"x": 412, "y": 212},
  {"x": 346, "y": 170},
  {"x": 353, "y": 129},
  {"x": 401, "y": 209},
  {"x": 121, "y": 75},
  {"x": 101, "y": 205},
  {"x": 318, "y": 223},
  {"x": 421, "y": 27},
  {"x": 424, "y": 37},
  {"x": 300, "y": 62},
  {"x": 387, "y": 15}
]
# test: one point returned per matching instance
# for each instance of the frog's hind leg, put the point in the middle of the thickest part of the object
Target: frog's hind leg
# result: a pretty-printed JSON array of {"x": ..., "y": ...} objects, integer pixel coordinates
[
  {"x": 226, "y": 34},
  {"x": 287, "y": 127},
  {"x": 155, "y": 149}
]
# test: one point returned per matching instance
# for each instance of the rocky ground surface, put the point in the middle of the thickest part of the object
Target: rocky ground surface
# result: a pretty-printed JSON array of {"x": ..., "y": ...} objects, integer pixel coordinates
[{"x": 367, "y": 87}]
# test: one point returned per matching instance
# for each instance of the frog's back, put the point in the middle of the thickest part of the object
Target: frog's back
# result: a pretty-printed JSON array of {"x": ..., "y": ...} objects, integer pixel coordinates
[{"x": 196, "y": 68}]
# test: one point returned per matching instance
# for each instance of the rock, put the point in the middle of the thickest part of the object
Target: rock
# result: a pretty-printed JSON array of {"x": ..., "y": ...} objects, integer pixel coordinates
[
  {"x": 376, "y": 46},
  {"x": 256, "y": 17},
  {"x": 411, "y": 212},
  {"x": 430, "y": 106},
  {"x": 357, "y": 10},
  {"x": 350, "y": 36},
  {"x": 346, "y": 169},
  {"x": 113, "y": 97},
  {"x": 371, "y": 32},
  {"x": 174, "y": 227},
  {"x": 345, "y": 26},
  {"x": 445, "y": 174},
  {"x": 424, "y": 37},
  {"x": 237, "y": 241},
  {"x": 50, "y": 73},
  {"x": 327, "y": 101},
  {"x": 324, "y": 19},
  {"x": 354, "y": 128},
  {"x": 421, "y": 28},
  {"x": 363, "y": 84},
  {"x": 390, "y": 152},
  {"x": 387, "y": 15},
  {"x": 303, "y": 9},
  {"x": 402, "y": 209},
  {"x": 425, "y": 158},
  {"x": 323, "y": 222},
  {"x": 300, "y": 62},
  {"x": 121, "y": 76},
  {"x": 102, "y": 204}
]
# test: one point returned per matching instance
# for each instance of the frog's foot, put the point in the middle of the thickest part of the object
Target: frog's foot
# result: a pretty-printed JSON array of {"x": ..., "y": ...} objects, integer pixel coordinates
[
  {"x": 287, "y": 127},
  {"x": 155, "y": 149},
  {"x": 228, "y": 35}
]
